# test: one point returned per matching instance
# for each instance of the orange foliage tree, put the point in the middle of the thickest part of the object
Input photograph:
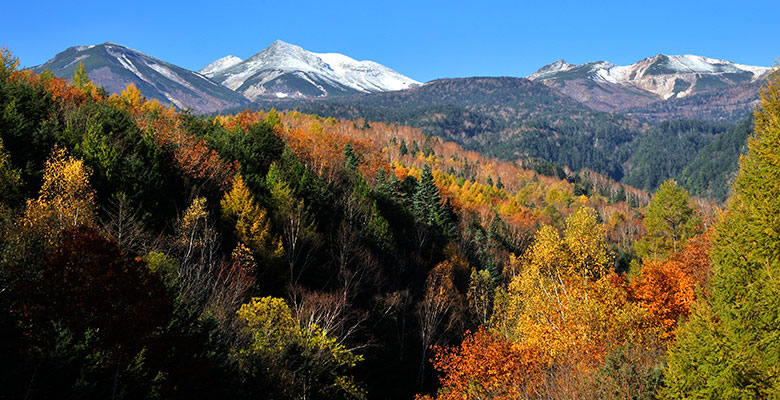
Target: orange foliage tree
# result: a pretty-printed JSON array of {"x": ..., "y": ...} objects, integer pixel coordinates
[
  {"x": 667, "y": 289},
  {"x": 487, "y": 366}
]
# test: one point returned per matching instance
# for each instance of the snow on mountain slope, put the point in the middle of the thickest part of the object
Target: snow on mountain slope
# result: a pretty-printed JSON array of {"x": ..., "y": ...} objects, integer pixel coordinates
[
  {"x": 219, "y": 65},
  {"x": 283, "y": 70},
  {"x": 550, "y": 70},
  {"x": 115, "y": 66},
  {"x": 665, "y": 76}
]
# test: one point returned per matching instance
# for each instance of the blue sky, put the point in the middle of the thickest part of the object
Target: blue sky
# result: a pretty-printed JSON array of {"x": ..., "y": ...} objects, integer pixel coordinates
[{"x": 422, "y": 39}]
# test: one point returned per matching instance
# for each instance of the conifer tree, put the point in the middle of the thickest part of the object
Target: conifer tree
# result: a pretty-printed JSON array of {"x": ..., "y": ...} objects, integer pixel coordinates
[
  {"x": 730, "y": 348},
  {"x": 352, "y": 159},
  {"x": 670, "y": 221},
  {"x": 427, "y": 201}
]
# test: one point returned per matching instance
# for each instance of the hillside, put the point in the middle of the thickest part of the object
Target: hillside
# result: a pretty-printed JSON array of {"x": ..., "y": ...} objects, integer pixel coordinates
[
  {"x": 212, "y": 256},
  {"x": 508, "y": 118},
  {"x": 148, "y": 252}
]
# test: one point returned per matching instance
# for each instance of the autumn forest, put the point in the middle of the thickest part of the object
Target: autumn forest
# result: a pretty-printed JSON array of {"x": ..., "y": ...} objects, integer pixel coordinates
[{"x": 149, "y": 252}]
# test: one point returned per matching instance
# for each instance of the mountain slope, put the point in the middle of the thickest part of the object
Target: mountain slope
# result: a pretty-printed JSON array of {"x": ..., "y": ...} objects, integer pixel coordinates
[
  {"x": 283, "y": 70},
  {"x": 653, "y": 81},
  {"x": 508, "y": 118},
  {"x": 114, "y": 67}
]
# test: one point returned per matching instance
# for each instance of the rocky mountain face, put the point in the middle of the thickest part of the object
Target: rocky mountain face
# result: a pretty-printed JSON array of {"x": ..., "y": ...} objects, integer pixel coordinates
[
  {"x": 659, "y": 83},
  {"x": 285, "y": 70},
  {"x": 114, "y": 67}
]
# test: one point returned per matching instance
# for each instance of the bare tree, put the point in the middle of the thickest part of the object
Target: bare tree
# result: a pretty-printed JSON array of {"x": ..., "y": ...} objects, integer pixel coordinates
[
  {"x": 440, "y": 310},
  {"x": 122, "y": 223},
  {"x": 197, "y": 248},
  {"x": 329, "y": 312},
  {"x": 231, "y": 287}
]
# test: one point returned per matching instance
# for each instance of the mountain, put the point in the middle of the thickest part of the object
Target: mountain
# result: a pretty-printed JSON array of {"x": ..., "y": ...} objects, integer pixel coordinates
[
  {"x": 114, "y": 67},
  {"x": 285, "y": 70},
  {"x": 653, "y": 81}
]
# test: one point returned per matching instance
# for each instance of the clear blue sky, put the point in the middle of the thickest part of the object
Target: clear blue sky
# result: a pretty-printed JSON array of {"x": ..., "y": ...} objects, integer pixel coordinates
[{"x": 422, "y": 39}]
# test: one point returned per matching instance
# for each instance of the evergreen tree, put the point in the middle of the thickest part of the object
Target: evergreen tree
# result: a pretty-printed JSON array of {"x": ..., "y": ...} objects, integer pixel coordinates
[
  {"x": 415, "y": 148},
  {"x": 670, "y": 221},
  {"x": 352, "y": 159},
  {"x": 426, "y": 201},
  {"x": 730, "y": 348},
  {"x": 381, "y": 177}
]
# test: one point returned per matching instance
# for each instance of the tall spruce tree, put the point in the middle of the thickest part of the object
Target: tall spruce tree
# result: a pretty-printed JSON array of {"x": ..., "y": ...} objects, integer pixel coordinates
[
  {"x": 730, "y": 347},
  {"x": 427, "y": 200}
]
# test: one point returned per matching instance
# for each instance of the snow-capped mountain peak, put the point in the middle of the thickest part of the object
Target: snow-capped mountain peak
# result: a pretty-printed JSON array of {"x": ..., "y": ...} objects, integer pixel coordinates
[
  {"x": 284, "y": 69},
  {"x": 551, "y": 69},
  {"x": 664, "y": 75},
  {"x": 219, "y": 65}
]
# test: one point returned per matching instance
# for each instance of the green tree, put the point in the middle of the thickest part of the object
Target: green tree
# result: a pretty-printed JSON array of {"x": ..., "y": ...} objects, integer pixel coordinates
[
  {"x": 427, "y": 200},
  {"x": 480, "y": 295},
  {"x": 80, "y": 76},
  {"x": 730, "y": 348},
  {"x": 298, "y": 230},
  {"x": 352, "y": 159},
  {"x": 671, "y": 220}
]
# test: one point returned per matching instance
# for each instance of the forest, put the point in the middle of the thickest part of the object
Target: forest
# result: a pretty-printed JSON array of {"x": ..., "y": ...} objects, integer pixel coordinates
[
  {"x": 146, "y": 252},
  {"x": 519, "y": 120}
]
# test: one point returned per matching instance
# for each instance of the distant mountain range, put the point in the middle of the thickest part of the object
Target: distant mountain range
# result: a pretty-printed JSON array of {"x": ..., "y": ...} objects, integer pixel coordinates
[
  {"x": 653, "y": 87},
  {"x": 281, "y": 70}
]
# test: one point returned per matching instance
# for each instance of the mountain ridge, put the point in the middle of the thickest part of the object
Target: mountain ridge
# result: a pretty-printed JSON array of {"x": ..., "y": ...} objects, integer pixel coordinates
[
  {"x": 286, "y": 70},
  {"x": 114, "y": 66}
]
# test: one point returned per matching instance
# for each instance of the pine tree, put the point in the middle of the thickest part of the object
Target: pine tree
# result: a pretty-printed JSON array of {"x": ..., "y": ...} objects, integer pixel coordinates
[{"x": 730, "y": 348}]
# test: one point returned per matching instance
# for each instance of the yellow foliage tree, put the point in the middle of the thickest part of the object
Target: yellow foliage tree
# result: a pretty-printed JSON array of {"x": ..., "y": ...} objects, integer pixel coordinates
[
  {"x": 585, "y": 242},
  {"x": 562, "y": 298},
  {"x": 252, "y": 225},
  {"x": 66, "y": 199}
]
